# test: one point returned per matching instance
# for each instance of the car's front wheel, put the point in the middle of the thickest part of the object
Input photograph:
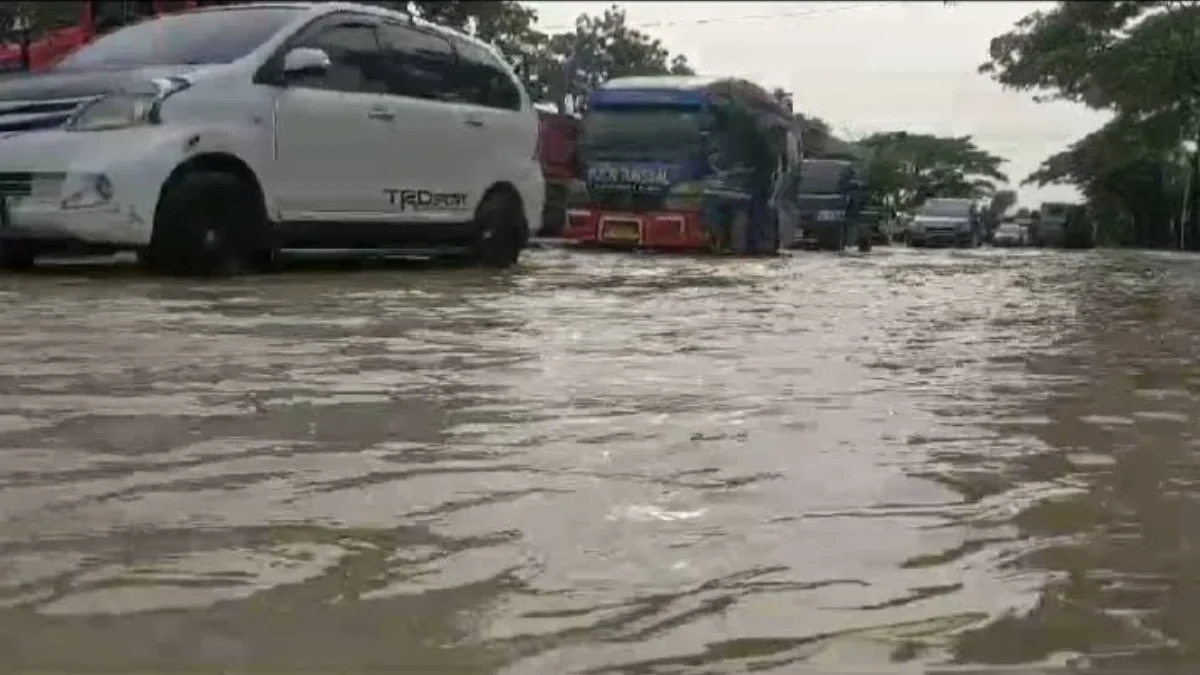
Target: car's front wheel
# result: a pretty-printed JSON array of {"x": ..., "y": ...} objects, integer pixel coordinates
[{"x": 207, "y": 223}]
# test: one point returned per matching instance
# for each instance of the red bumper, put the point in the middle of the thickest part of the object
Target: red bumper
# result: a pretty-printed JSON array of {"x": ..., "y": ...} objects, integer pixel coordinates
[{"x": 661, "y": 230}]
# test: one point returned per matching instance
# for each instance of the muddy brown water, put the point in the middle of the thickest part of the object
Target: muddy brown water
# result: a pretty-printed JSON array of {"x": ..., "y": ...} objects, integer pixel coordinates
[{"x": 896, "y": 462}]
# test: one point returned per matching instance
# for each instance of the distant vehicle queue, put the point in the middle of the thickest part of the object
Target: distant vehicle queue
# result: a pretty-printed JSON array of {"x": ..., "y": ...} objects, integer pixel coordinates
[{"x": 711, "y": 164}]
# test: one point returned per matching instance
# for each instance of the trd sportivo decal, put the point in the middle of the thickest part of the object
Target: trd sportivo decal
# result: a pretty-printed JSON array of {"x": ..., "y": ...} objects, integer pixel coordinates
[{"x": 425, "y": 200}]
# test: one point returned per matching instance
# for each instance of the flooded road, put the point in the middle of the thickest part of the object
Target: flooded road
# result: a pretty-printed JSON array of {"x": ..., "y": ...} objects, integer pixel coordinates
[{"x": 606, "y": 464}]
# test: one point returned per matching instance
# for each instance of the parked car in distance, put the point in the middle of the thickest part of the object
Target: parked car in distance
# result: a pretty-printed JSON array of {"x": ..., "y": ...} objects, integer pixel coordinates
[
  {"x": 212, "y": 139},
  {"x": 946, "y": 222},
  {"x": 1010, "y": 234}
]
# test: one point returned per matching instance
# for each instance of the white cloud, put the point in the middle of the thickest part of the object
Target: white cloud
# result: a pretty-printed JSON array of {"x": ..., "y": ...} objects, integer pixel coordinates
[{"x": 868, "y": 66}]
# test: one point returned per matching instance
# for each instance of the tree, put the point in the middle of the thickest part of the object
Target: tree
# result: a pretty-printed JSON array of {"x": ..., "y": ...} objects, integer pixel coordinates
[
  {"x": 572, "y": 64},
  {"x": 905, "y": 169},
  {"x": 1000, "y": 204},
  {"x": 1139, "y": 61}
]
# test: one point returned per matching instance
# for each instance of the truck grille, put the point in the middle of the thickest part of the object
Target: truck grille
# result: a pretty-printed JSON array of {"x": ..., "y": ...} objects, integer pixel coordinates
[
  {"x": 16, "y": 183},
  {"x": 625, "y": 201},
  {"x": 30, "y": 115}
]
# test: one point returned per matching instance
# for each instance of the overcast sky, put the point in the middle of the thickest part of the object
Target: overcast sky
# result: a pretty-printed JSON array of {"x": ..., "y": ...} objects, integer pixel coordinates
[{"x": 868, "y": 66}]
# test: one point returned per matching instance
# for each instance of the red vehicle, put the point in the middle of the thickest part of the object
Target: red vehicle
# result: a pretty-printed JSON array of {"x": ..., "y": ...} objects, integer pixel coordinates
[
  {"x": 70, "y": 25},
  {"x": 558, "y": 142}
]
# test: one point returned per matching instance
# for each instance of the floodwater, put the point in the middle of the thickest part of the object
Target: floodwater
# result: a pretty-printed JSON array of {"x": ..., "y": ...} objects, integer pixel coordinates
[{"x": 903, "y": 461}]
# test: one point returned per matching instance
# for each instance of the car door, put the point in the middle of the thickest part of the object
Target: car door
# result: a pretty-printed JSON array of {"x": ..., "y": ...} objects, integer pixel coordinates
[
  {"x": 432, "y": 149},
  {"x": 494, "y": 121},
  {"x": 333, "y": 129}
]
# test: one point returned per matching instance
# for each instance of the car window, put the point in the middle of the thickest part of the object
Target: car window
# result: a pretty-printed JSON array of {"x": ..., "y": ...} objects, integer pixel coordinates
[
  {"x": 357, "y": 63},
  {"x": 480, "y": 79},
  {"x": 194, "y": 38},
  {"x": 421, "y": 62}
]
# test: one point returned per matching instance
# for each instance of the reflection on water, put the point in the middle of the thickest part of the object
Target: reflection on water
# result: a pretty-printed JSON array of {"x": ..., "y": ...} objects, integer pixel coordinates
[{"x": 606, "y": 464}]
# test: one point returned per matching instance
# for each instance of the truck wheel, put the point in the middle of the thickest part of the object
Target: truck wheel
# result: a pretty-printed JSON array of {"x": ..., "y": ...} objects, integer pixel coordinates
[
  {"x": 865, "y": 243},
  {"x": 208, "y": 224},
  {"x": 500, "y": 231},
  {"x": 17, "y": 256},
  {"x": 834, "y": 240}
]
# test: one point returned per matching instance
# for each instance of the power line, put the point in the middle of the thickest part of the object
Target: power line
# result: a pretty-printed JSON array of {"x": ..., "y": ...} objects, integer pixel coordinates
[{"x": 744, "y": 17}]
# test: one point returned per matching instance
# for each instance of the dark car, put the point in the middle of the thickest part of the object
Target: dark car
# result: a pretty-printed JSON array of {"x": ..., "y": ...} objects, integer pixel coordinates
[{"x": 828, "y": 198}]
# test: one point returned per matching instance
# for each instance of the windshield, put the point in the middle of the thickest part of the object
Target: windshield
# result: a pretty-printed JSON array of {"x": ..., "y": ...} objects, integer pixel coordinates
[
  {"x": 641, "y": 127},
  {"x": 945, "y": 209},
  {"x": 822, "y": 176},
  {"x": 207, "y": 37}
]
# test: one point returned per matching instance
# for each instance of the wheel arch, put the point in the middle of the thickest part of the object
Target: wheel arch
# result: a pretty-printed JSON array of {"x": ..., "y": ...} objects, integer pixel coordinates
[
  {"x": 508, "y": 190},
  {"x": 220, "y": 162}
]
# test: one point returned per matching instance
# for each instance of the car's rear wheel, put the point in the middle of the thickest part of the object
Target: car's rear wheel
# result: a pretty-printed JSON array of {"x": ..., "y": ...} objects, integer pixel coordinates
[
  {"x": 500, "y": 231},
  {"x": 208, "y": 223}
]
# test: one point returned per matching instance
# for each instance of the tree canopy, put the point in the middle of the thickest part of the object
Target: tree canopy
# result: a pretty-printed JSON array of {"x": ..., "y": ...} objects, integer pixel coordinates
[
  {"x": 905, "y": 169},
  {"x": 1137, "y": 60}
]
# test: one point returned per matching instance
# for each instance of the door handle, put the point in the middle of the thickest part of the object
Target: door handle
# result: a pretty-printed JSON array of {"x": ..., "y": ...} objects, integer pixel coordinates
[
  {"x": 381, "y": 114},
  {"x": 472, "y": 122}
]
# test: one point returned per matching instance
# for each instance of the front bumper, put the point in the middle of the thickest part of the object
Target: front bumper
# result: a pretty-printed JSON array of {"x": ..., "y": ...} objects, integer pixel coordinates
[
  {"x": 813, "y": 234},
  {"x": 938, "y": 237},
  {"x": 656, "y": 230},
  {"x": 97, "y": 188}
]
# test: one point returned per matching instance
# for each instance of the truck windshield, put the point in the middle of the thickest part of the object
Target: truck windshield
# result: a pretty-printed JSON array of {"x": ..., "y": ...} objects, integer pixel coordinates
[
  {"x": 947, "y": 209},
  {"x": 822, "y": 176},
  {"x": 207, "y": 37},
  {"x": 657, "y": 127}
]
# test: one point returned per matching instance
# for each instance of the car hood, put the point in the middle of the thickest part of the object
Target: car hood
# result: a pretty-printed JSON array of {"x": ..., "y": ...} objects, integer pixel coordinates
[{"x": 78, "y": 84}]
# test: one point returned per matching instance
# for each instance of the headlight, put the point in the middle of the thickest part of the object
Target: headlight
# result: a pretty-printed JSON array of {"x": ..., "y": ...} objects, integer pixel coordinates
[
  {"x": 122, "y": 111},
  {"x": 963, "y": 227},
  {"x": 117, "y": 111}
]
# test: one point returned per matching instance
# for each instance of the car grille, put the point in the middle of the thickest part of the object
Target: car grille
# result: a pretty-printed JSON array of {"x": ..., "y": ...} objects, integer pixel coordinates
[
  {"x": 30, "y": 115},
  {"x": 625, "y": 201}
]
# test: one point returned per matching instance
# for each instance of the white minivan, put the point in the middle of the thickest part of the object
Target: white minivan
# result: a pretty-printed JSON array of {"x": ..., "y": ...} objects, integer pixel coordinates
[{"x": 211, "y": 140}]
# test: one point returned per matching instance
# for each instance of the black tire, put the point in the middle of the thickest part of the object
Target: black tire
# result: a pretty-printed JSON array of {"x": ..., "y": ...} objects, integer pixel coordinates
[
  {"x": 17, "y": 256},
  {"x": 865, "y": 244},
  {"x": 834, "y": 240},
  {"x": 501, "y": 232},
  {"x": 208, "y": 224}
]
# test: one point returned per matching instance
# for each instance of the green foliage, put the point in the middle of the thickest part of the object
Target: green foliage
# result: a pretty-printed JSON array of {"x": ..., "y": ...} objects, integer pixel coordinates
[
  {"x": 1138, "y": 60},
  {"x": 572, "y": 64},
  {"x": 906, "y": 169}
]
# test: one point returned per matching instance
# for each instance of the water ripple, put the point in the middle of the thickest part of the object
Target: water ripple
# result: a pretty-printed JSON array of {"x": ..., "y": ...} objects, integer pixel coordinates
[{"x": 606, "y": 464}]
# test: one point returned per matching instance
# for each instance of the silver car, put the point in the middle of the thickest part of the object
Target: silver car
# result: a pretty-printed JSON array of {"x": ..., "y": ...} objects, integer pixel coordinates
[{"x": 1010, "y": 234}]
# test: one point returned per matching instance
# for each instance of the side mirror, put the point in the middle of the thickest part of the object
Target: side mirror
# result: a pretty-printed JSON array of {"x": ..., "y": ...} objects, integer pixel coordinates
[{"x": 303, "y": 61}]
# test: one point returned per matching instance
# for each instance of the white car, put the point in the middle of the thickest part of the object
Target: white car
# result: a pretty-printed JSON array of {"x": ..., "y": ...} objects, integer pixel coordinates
[{"x": 210, "y": 140}]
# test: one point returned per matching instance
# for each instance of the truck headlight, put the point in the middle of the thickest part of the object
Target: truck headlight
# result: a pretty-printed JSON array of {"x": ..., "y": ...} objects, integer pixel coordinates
[
  {"x": 964, "y": 227},
  {"x": 122, "y": 111}
]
